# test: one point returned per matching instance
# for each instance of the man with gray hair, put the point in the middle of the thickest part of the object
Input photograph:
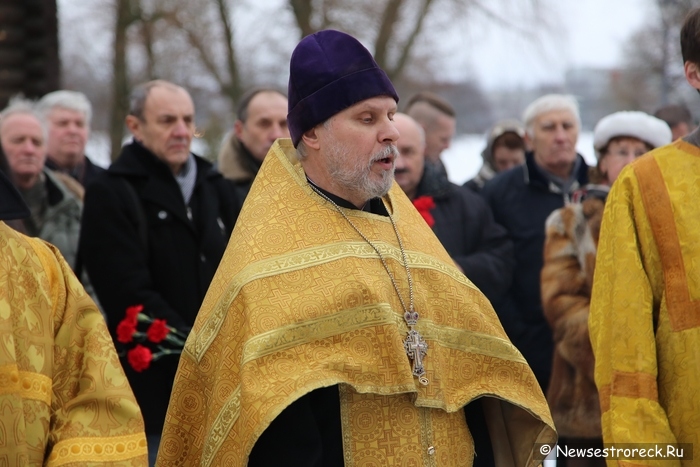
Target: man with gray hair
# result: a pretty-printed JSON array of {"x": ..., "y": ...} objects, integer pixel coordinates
[
  {"x": 54, "y": 199},
  {"x": 68, "y": 114},
  {"x": 521, "y": 200},
  {"x": 155, "y": 226}
]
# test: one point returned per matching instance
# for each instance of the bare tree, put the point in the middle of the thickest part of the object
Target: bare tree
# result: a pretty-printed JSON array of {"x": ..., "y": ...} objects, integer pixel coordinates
[
  {"x": 218, "y": 48},
  {"x": 126, "y": 15},
  {"x": 652, "y": 74}
]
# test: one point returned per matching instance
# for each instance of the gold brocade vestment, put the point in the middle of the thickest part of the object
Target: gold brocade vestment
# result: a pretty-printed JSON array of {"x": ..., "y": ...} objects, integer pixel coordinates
[
  {"x": 300, "y": 302},
  {"x": 645, "y": 307},
  {"x": 64, "y": 398}
]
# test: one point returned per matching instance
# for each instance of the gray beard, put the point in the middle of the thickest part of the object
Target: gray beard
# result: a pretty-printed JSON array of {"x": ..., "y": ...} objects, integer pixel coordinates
[{"x": 358, "y": 178}]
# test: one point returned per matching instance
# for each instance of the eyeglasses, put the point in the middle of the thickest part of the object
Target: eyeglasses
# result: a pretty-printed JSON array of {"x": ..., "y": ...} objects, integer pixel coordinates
[{"x": 626, "y": 153}]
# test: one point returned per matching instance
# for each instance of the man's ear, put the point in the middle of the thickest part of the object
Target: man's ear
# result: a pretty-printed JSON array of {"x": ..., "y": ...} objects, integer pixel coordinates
[
  {"x": 528, "y": 141},
  {"x": 692, "y": 74},
  {"x": 310, "y": 139},
  {"x": 238, "y": 129},
  {"x": 133, "y": 124}
]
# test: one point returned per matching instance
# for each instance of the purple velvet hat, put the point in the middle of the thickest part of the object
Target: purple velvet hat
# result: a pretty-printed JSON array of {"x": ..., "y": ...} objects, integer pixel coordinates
[{"x": 329, "y": 72}]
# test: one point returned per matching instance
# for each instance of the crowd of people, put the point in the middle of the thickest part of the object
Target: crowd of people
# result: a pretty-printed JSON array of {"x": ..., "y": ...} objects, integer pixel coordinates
[{"x": 292, "y": 305}]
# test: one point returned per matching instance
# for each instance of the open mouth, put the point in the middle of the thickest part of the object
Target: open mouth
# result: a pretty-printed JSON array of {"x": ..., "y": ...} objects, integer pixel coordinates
[{"x": 385, "y": 163}]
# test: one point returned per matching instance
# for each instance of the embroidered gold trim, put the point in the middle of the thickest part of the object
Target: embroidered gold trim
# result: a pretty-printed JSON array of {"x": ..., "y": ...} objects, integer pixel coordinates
[
  {"x": 471, "y": 342},
  {"x": 9, "y": 379},
  {"x": 629, "y": 385},
  {"x": 221, "y": 427},
  {"x": 426, "y": 436},
  {"x": 26, "y": 384},
  {"x": 84, "y": 450},
  {"x": 345, "y": 423},
  {"x": 35, "y": 386},
  {"x": 302, "y": 259},
  {"x": 293, "y": 335},
  {"x": 634, "y": 385},
  {"x": 683, "y": 312}
]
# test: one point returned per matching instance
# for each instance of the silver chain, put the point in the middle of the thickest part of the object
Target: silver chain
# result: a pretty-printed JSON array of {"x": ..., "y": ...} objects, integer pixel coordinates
[{"x": 410, "y": 315}]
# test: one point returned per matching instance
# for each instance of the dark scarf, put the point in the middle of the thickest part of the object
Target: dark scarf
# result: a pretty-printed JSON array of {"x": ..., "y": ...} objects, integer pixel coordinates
[
  {"x": 248, "y": 160},
  {"x": 37, "y": 198}
]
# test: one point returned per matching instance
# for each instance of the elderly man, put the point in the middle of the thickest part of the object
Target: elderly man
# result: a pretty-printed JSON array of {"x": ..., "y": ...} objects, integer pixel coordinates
[
  {"x": 645, "y": 313},
  {"x": 337, "y": 330},
  {"x": 68, "y": 114},
  {"x": 54, "y": 199},
  {"x": 521, "y": 200},
  {"x": 155, "y": 227},
  {"x": 262, "y": 118},
  {"x": 461, "y": 219},
  {"x": 64, "y": 397}
]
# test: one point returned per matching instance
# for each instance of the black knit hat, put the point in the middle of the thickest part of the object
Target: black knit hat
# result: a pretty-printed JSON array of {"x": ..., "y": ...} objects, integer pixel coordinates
[{"x": 329, "y": 72}]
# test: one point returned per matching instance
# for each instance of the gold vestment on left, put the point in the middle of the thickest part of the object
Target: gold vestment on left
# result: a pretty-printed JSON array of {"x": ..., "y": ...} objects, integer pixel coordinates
[{"x": 64, "y": 398}]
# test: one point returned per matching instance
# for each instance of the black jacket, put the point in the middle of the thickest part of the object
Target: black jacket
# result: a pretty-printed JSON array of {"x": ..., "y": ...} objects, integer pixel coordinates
[
  {"x": 12, "y": 205},
  {"x": 169, "y": 270},
  {"x": 521, "y": 199},
  {"x": 86, "y": 173},
  {"x": 465, "y": 227}
]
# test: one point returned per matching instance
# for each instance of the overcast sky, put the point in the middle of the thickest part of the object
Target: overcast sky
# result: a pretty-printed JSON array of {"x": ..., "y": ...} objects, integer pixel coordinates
[
  {"x": 581, "y": 33},
  {"x": 585, "y": 33}
]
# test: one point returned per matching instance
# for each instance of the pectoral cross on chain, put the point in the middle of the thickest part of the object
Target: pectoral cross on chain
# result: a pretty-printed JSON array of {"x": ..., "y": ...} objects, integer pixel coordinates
[{"x": 416, "y": 349}]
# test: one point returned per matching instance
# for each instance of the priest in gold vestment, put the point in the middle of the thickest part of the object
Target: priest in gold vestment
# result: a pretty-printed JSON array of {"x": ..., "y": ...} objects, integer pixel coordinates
[
  {"x": 337, "y": 330},
  {"x": 64, "y": 398},
  {"x": 645, "y": 306}
]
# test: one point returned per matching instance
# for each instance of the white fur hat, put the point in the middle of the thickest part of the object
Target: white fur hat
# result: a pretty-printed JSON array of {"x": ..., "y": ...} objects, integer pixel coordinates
[{"x": 634, "y": 124}]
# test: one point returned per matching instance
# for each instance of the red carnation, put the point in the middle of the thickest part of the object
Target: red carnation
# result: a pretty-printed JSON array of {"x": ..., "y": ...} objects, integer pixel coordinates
[
  {"x": 157, "y": 331},
  {"x": 126, "y": 330},
  {"x": 139, "y": 357},
  {"x": 423, "y": 205},
  {"x": 133, "y": 311}
]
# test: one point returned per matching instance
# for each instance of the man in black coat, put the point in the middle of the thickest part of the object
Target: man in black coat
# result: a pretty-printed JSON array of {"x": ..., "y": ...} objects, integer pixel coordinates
[
  {"x": 521, "y": 199},
  {"x": 461, "y": 220},
  {"x": 154, "y": 229}
]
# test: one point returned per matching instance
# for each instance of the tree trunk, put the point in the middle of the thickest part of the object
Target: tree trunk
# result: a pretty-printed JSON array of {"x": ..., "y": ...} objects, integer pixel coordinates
[
  {"x": 397, "y": 70},
  {"x": 302, "y": 13},
  {"x": 234, "y": 88},
  {"x": 120, "y": 83},
  {"x": 147, "y": 35},
  {"x": 386, "y": 32}
]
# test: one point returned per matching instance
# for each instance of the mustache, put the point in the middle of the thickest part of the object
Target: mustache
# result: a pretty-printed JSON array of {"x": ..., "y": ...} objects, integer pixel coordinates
[
  {"x": 401, "y": 171},
  {"x": 389, "y": 150}
]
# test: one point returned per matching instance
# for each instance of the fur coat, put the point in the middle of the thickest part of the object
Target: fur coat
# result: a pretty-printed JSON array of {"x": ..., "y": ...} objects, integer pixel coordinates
[{"x": 569, "y": 260}]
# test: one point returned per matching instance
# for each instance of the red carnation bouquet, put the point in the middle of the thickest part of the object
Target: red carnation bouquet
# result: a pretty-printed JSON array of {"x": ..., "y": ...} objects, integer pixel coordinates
[
  {"x": 157, "y": 341},
  {"x": 423, "y": 205}
]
